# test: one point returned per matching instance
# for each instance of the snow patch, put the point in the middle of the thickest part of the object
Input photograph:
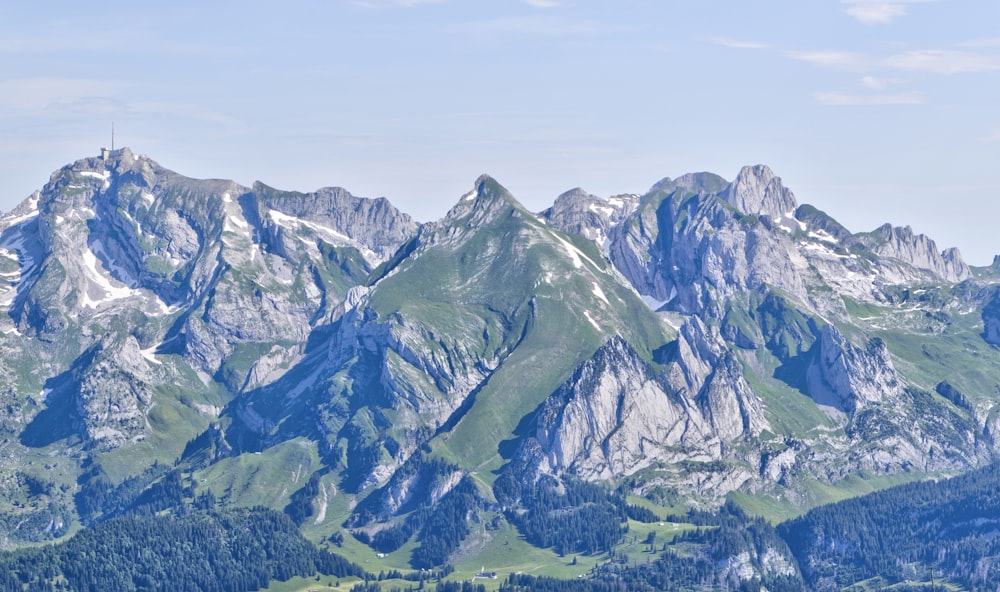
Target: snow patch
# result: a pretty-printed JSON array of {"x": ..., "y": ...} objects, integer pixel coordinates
[
  {"x": 471, "y": 195},
  {"x": 822, "y": 235},
  {"x": 116, "y": 269},
  {"x": 826, "y": 251},
  {"x": 207, "y": 410},
  {"x": 107, "y": 285},
  {"x": 102, "y": 281},
  {"x": 603, "y": 210},
  {"x": 600, "y": 293},
  {"x": 575, "y": 254},
  {"x": 102, "y": 176},
  {"x": 325, "y": 232},
  {"x": 15, "y": 220},
  {"x": 149, "y": 355},
  {"x": 586, "y": 313},
  {"x": 237, "y": 222}
]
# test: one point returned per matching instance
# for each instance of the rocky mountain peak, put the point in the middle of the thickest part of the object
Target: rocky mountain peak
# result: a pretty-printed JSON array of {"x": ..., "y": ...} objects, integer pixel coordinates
[
  {"x": 692, "y": 182},
  {"x": 579, "y": 212},
  {"x": 758, "y": 191},
  {"x": 374, "y": 226},
  {"x": 487, "y": 201},
  {"x": 574, "y": 195},
  {"x": 918, "y": 250},
  {"x": 848, "y": 377}
]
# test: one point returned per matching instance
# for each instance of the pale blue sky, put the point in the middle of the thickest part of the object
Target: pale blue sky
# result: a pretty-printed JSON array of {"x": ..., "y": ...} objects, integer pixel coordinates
[{"x": 874, "y": 111}]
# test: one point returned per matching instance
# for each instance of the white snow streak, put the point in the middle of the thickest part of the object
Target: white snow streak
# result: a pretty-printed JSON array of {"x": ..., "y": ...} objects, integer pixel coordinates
[
  {"x": 149, "y": 355},
  {"x": 111, "y": 292},
  {"x": 325, "y": 232},
  {"x": 600, "y": 293},
  {"x": 102, "y": 176},
  {"x": 820, "y": 234},
  {"x": 575, "y": 254},
  {"x": 605, "y": 210}
]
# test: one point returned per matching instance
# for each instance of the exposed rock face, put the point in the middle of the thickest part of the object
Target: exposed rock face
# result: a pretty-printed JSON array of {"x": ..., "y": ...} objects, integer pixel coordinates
[
  {"x": 615, "y": 416},
  {"x": 691, "y": 244},
  {"x": 714, "y": 378},
  {"x": 917, "y": 250},
  {"x": 115, "y": 394},
  {"x": 991, "y": 319},
  {"x": 757, "y": 191},
  {"x": 580, "y": 426},
  {"x": 165, "y": 264},
  {"x": 847, "y": 377},
  {"x": 579, "y": 212},
  {"x": 332, "y": 213}
]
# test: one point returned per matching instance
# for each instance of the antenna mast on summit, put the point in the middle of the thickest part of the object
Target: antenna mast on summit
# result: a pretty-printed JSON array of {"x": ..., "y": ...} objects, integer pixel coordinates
[{"x": 112, "y": 136}]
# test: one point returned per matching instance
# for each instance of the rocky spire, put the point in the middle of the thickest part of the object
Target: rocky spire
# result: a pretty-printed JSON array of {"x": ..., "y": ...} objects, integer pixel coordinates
[{"x": 757, "y": 190}]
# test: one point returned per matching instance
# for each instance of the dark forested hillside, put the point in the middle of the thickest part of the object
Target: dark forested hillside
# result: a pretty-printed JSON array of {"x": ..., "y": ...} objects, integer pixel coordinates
[
  {"x": 901, "y": 534},
  {"x": 719, "y": 555},
  {"x": 240, "y": 549}
]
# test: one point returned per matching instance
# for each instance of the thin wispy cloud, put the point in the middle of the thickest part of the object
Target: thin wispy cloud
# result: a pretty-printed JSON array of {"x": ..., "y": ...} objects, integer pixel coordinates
[
  {"x": 34, "y": 94},
  {"x": 878, "y": 12},
  {"x": 933, "y": 61},
  {"x": 844, "y": 99},
  {"x": 987, "y": 42},
  {"x": 738, "y": 43},
  {"x": 943, "y": 61},
  {"x": 875, "y": 13},
  {"x": 841, "y": 60},
  {"x": 875, "y": 83},
  {"x": 543, "y": 3}
]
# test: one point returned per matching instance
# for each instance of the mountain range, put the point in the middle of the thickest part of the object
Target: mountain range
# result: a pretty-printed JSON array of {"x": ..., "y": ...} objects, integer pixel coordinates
[{"x": 372, "y": 376}]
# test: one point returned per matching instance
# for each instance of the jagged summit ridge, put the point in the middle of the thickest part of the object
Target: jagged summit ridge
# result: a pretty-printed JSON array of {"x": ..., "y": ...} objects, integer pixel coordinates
[
  {"x": 918, "y": 250},
  {"x": 582, "y": 213},
  {"x": 705, "y": 337},
  {"x": 756, "y": 190}
]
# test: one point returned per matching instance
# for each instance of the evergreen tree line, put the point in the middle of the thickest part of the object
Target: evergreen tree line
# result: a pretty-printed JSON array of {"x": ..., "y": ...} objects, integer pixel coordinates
[
  {"x": 440, "y": 528},
  {"x": 570, "y": 516},
  {"x": 446, "y": 525},
  {"x": 300, "y": 503},
  {"x": 231, "y": 550},
  {"x": 99, "y": 499},
  {"x": 901, "y": 533},
  {"x": 731, "y": 533}
]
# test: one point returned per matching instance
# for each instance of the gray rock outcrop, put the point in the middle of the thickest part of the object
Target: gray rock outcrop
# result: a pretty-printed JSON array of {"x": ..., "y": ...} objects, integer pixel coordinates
[{"x": 847, "y": 377}]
